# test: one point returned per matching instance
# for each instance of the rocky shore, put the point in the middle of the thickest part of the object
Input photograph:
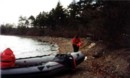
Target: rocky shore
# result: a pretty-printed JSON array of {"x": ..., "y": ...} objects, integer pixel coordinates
[{"x": 101, "y": 62}]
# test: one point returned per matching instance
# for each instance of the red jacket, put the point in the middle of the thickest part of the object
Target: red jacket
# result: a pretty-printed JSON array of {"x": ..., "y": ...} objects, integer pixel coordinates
[
  {"x": 76, "y": 41},
  {"x": 7, "y": 58}
]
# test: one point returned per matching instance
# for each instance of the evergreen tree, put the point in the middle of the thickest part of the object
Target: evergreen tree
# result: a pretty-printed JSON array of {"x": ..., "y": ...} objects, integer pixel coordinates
[
  {"x": 57, "y": 16},
  {"x": 32, "y": 20}
]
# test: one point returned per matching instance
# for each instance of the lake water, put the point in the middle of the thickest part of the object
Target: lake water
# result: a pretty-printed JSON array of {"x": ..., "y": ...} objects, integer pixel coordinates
[{"x": 26, "y": 47}]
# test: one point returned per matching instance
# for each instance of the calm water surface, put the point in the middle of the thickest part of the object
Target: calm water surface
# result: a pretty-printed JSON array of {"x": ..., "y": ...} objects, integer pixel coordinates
[{"x": 26, "y": 47}]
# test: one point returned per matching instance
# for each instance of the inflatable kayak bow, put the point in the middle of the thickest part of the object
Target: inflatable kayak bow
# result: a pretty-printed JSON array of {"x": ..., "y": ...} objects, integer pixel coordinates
[{"x": 43, "y": 65}]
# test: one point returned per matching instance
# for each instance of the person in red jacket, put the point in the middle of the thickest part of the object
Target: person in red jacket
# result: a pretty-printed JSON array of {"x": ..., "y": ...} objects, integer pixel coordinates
[
  {"x": 7, "y": 58},
  {"x": 76, "y": 43}
]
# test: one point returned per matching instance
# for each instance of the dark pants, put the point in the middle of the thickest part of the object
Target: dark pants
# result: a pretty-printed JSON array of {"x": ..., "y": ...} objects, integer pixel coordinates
[{"x": 75, "y": 48}]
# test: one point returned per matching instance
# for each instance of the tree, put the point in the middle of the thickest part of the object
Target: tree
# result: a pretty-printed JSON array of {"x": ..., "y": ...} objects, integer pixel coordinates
[
  {"x": 40, "y": 20},
  {"x": 74, "y": 15},
  {"x": 7, "y": 29},
  {"x": 57, "y": 16},
  {"x": 32, "y": 20},
  {"x": 27, "y": 23},
  {"x": 73, "y": 10},
  {"x": 23, "y": 21}
]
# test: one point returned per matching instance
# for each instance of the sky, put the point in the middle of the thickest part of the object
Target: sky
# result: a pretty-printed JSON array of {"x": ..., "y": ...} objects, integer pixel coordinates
[{"x": 11, "y": 10}]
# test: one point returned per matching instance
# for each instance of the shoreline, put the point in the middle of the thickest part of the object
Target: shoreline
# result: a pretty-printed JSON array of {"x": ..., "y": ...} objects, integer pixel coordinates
[
  {"x": 99, "y": 59},
  {"x": 101, "y": 62},
  {"x": 65, "y": 44}
]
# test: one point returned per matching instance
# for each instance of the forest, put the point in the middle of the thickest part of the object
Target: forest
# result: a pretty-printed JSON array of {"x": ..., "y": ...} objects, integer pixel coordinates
[{"x": 104, "y": 20}]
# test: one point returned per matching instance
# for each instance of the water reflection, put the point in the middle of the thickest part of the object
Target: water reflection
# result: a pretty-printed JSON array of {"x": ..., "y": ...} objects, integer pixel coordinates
[{"x": 26, "y": 47}]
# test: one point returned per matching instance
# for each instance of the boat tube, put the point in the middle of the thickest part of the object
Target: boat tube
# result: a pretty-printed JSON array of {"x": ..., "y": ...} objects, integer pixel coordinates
[{"x": 43, "y": 65}]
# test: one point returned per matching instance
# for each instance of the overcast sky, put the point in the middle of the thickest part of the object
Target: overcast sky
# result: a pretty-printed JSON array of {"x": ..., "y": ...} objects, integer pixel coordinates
[{"x": 11, "y": 10}]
